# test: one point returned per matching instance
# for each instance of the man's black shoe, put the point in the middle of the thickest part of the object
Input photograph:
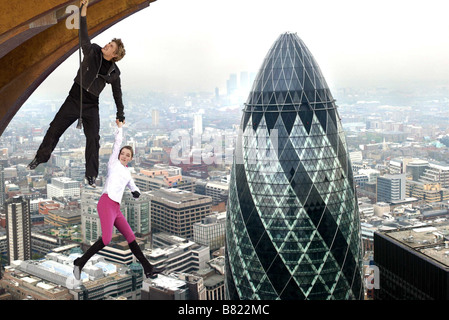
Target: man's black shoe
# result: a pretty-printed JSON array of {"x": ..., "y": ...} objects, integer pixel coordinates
[
  {"x": 33, "y": 164},
  {"x": 91, "y": 181},
  {"x": 152, "y": 274},
  {"x": 76, "y": 269}
]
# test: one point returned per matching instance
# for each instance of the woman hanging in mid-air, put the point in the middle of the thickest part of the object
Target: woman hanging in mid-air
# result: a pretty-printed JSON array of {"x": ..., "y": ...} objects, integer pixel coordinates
[{"x": 108, "y": 207}]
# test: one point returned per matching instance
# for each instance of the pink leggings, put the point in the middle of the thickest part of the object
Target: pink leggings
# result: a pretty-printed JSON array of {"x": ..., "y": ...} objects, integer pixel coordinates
[{"x": 110, "y": 216}]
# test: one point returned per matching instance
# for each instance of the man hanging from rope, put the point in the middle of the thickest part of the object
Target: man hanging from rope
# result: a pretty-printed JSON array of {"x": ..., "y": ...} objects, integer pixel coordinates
[{"x": 97, "y": 68}]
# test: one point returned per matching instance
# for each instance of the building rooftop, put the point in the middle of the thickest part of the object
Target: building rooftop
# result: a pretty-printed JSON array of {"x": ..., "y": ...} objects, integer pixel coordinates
[
  {"x": 58, "y": 268},
  {"x": 37, "y": 282},
  {"x": 168, "y": 282},
  {"x": 214, "y": 218},
  {"x": 218, "y": 185},
  {"x": 64, "y": 179},
  {"x": 177, "y": 196},
  {"x": 172, "y": 249},
  {"x": 213, "y": 280},
  {"x": 66, "y": 213},
  {"x": 430, "y": 241}
]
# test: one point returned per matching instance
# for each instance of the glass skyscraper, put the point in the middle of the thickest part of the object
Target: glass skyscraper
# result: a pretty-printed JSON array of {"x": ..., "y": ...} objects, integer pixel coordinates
[{"x": 293, "y": 229}]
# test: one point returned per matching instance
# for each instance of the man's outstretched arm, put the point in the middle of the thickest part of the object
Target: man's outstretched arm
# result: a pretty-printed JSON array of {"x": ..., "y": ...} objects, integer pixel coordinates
[
  {"x": 85, "y": 40},
  {"x": 84, "y": 4},
  {"x": 117, "y": 94}
]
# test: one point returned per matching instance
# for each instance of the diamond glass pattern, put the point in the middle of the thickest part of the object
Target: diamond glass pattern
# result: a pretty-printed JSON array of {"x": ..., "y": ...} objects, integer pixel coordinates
[{"x": 293, "y": 228}]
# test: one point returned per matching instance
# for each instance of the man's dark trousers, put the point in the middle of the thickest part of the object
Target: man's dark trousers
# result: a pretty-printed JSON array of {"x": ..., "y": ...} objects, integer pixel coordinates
[{"x": 67, "y": 115}]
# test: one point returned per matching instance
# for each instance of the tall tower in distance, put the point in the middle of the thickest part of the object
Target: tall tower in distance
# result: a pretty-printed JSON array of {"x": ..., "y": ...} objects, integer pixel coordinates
[
  {"x": 155, "y": 118},
  {"x": 197, "y": 124},
  {"x": 293, "y": 229},
  {"x": 2, "y": 183},
  {"x": 18, "y": 229}
]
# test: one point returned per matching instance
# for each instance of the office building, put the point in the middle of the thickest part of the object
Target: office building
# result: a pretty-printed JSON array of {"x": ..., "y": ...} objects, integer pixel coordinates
[
  {"x": 175, "y": 286},
  {"x": 177, "y": 254},
  {"x": 231, "y": 84},
  {"x": 413, "y": 263},
  {"x": 63, "y": 187},
  {"x": 197, "y": 124},
  {"x": 63, "y": 217},
  {"x": 218, "y": 191},
  {"x": 391, "y": 188},
  {"x": 50, "y": 278},
  {"x": 427, "y": 172},
  {"x": 138, "y": 213},
  {"x": 293, "y": 229},
  {"x": 175, "y": 211},
  {"x": 211, "y": 231},
  {"x": 356, "y": 156},
  {"x": 437, "y": 174},
  {"x": 361, "y": 179},
  {"x": 24, "y": 286},
  {"x": 416, "y": 168},
  {"x": 18, "y": 228},
  {"x": 76, "y": 170},
  {"x": 155, "y": 118},
  {"x": 43, "y": 244},
  {"x": 44, "y": 207},
  {"x": 118, "y": 251},
  {"x": 60, "y": 160},
  {"x": 213, "y": 279},
  {"x": 367, "y": 232},
  {"x": 90, "y": 222},
  {"x": 426, "y": 191},
  {"x": 148, "y": 180},
  {"x": 396, "y": 166}
]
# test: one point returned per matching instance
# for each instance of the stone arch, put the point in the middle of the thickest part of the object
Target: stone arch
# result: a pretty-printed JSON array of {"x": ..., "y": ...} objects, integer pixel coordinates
[{"x": 34, "y": 41}]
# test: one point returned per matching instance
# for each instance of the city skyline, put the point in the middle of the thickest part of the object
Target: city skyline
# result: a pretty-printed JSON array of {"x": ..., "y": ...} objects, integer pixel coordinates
[
  {"x": 385, "y": 131},
  {"x": 193, "y": 46}
]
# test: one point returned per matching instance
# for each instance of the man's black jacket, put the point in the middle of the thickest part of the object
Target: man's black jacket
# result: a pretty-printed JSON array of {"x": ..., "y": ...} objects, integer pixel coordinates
[{"x": 93, "y": 82}]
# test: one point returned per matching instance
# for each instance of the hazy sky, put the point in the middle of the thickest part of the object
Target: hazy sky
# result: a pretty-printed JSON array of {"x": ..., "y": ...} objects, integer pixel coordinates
[{"x": 193, "y": 45}]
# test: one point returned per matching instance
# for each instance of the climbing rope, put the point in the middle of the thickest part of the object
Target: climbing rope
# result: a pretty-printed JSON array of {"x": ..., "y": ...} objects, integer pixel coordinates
[{"x": 80, "y": 120}]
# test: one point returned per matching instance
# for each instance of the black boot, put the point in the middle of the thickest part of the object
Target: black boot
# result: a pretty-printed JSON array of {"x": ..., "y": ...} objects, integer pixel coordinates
[
  {"x": 80, "y": 262},
  {"x": 91, "y": 181},
  {"x": 149, "y": 270},
  {"x": 33, "y": 164}
]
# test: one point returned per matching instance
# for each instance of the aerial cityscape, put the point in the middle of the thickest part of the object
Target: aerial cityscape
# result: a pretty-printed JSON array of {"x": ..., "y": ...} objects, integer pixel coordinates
[{"x": 278, "y": 185}]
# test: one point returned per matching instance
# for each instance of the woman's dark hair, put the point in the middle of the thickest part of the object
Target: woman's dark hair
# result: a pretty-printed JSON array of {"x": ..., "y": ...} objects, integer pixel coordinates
[{"x": 129, "y": 148}]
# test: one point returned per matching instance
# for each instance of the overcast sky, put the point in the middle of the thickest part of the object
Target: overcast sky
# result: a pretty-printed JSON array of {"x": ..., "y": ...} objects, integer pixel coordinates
[{"x": 193, "y": 45}]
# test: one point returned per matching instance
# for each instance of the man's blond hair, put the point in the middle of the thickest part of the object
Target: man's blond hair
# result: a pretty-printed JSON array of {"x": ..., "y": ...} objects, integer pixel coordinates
[{"x": 120, "y": 52}]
